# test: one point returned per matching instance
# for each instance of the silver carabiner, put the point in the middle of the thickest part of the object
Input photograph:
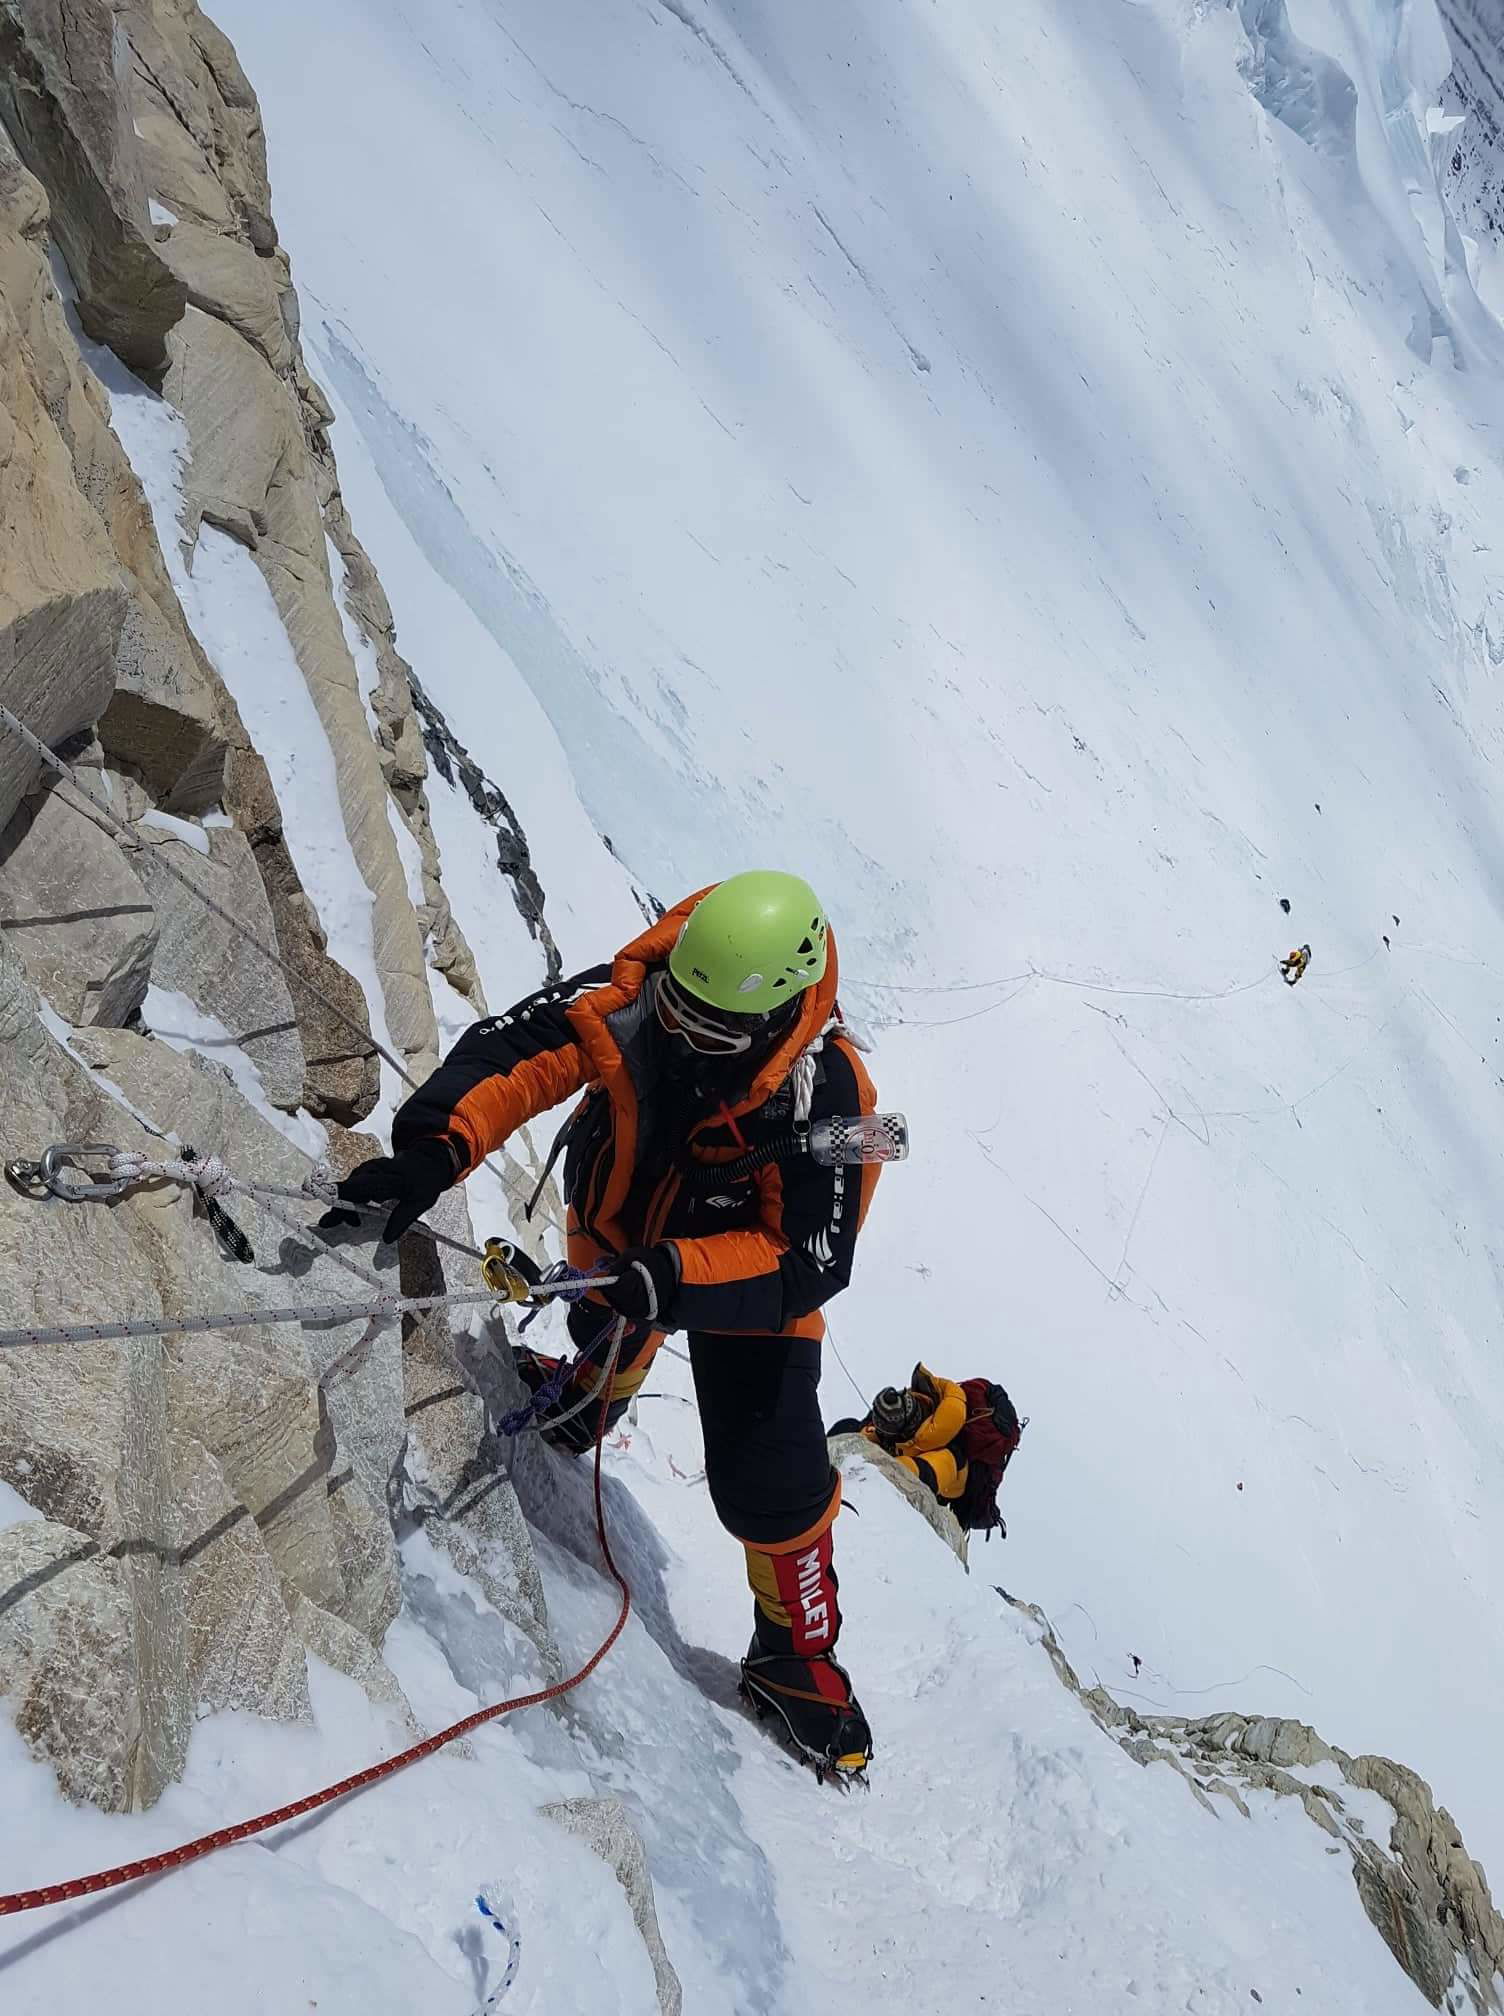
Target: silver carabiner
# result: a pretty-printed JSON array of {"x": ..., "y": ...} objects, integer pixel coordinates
[{"x": 46, "y": 1174}]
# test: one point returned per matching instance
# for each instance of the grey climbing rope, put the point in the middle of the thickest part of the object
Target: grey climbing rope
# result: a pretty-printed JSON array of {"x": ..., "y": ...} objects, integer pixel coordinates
[
  {"x": 239, "y": 1319},
  {"x": 127, "y": 1328},
  {"x": 122, "y": 832}
]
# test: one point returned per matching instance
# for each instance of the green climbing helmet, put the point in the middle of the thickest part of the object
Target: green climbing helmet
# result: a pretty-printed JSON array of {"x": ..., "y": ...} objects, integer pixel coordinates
[{"x": 751, "y": 944}]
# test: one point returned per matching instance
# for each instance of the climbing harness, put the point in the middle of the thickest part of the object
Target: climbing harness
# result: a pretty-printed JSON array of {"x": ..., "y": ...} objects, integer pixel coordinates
[{"x": 244, "y": 1830}]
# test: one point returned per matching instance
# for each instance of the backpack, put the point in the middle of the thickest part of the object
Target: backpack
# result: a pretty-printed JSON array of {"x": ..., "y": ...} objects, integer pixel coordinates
[{"x": 992, "y": 1433}]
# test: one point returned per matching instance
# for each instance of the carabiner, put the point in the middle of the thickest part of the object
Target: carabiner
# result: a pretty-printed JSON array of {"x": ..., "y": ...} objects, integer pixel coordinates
[
  {"x": 501, "y": 1275},
  {"x": 46, "y": 1175}
]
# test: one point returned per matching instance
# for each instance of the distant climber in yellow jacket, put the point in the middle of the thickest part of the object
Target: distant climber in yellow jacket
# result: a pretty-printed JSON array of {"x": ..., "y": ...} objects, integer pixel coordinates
[
  {"x": 1294, "y": 964},
  {"x": 922, "y": 1425},
  {"x": 956, "y": 1437}
]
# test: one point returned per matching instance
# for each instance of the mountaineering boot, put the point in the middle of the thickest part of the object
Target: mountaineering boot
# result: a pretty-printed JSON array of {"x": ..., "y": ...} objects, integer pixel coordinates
[
  {"x": 812, "y": 1697},
  {"x": 575, "y": 1393},
  {"x": 575, "y": 1435},
  {"x": 790, "y": 1667}
]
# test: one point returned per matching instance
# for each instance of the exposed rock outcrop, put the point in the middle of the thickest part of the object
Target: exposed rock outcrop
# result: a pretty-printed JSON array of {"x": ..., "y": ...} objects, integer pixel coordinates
[
  {"x": 848, "y": 1449},
  {"x": 341, "y": 1073},
  {"x": 61, "y": 64},
  {"x": 604, "y": 1826},
  {"x": 1428, "y": 1899},
  {"x": 62, "y": 604},
  {"x": 106, "y": 638},
  {"x": 199, "y": 955},
  {"x": 204, "y": 1470},
  {"x": 76, "y": 912},
  {"x": 1475, "y": 92}
]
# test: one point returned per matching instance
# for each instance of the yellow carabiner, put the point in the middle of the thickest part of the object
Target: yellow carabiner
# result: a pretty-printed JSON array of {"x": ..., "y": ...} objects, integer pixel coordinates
[{"x": 500, "y": 1276}]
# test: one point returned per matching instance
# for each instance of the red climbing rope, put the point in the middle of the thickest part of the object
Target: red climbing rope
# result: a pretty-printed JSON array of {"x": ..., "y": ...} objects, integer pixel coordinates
[{"x": 193, "y": 1851}]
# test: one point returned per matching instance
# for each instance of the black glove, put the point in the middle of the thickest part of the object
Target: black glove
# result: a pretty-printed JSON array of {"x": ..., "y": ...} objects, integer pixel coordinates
[
  {"x": 414, "y": 1180},
  {"x": 647, "y": 1278}
]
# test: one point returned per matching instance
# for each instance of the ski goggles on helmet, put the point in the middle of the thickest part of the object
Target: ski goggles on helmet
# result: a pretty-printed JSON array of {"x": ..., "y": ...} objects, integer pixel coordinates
[{"x": 713, "y": 1032}]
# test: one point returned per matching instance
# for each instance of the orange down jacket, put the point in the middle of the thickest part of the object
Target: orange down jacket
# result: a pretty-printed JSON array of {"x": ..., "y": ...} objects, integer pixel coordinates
[{"x": 761, "y": 1252}]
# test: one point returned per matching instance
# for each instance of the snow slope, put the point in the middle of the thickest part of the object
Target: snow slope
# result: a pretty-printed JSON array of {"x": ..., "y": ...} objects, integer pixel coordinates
[
  {"x": 1008, "y": 1856},
  {"x": 1037, "y": 471},
  {"x": 1033, "y": 469}
]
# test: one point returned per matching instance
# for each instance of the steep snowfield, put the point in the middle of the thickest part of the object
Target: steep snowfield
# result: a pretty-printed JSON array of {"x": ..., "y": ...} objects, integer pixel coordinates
[
  {"x": 1008, "y": 1857},
  {"x": 1033, "y": 469},
  {"x": 996, "y": 462}
]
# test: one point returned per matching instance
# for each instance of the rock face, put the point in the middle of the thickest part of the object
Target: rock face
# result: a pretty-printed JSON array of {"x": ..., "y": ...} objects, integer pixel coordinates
[
  {"x": 62, "y": 605},
  {"x": 1428, "y": 1899},
  {"x": 341, "y": 1072},
  {"x": 74, "y": 1623},
  {"x": 212, "y": 1507},
  {"x": 76, "y": 912},
  {"x": 90, "y": 628},
  {"x": 199, "y": 955},
  {"x": 195, "y": 1474},
  {"x": 61, "y": 63},
  {"x": 1475, "y": 89}
]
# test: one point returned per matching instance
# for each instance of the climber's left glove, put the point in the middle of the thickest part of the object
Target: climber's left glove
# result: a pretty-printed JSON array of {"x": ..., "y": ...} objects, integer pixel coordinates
[
  {"x": 413, "y": 1180},
  {"x": 647, "y": 1279}
]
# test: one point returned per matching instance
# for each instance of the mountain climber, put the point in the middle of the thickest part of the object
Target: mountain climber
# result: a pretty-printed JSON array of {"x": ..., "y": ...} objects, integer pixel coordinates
[
  {"x": 956, "y": 1437},
  {"x": 1294, "y": 964},
  {"x": 712, "y": 1041}
]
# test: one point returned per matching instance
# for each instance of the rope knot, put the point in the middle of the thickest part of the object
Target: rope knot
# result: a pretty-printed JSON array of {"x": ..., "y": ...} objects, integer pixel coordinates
[
  {"x": 321, "y": 1183},
  {"x": 209, "y": 1176}
]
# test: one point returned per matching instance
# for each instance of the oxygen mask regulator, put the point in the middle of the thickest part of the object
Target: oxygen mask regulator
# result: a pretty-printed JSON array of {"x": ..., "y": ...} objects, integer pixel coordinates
[
  {"x": 840, "y": 1142},
  {"x": 870, "y": 1137}
]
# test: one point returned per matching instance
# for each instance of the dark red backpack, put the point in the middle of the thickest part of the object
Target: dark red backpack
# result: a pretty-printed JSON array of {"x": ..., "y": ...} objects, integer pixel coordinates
[{"x": 992, "y": 1433}]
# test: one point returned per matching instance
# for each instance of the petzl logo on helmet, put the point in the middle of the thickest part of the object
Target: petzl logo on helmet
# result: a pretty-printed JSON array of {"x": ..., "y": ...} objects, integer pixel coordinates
[{"x": 699, "y": 973}]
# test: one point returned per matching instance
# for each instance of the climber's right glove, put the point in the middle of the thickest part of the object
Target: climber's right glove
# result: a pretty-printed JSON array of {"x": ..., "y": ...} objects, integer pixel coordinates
[
  {"x": 414, "y": 1179},
  {"x": 647, "y": 1279}
]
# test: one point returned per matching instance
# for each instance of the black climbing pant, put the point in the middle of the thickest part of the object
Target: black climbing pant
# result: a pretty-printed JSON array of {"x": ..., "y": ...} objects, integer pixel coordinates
[{"x": 766, "y": 1461}]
